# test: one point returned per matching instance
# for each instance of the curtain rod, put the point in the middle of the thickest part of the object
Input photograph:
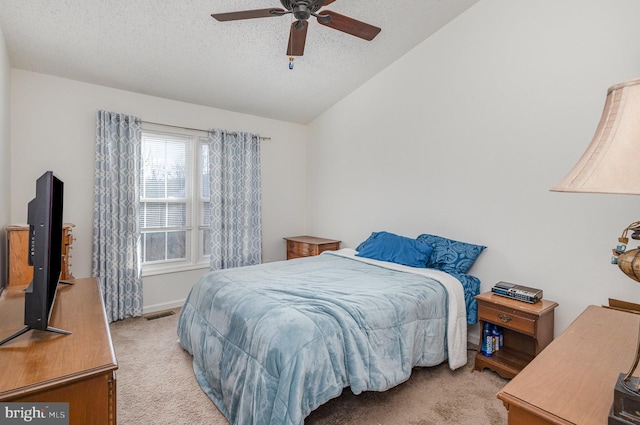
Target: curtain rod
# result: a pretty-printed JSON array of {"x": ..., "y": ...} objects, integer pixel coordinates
[{"x": 194, "y": 129}]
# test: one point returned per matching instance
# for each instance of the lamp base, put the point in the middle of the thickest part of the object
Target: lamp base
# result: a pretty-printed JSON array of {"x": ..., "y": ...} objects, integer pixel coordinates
[{"x": 625, "y": 409}]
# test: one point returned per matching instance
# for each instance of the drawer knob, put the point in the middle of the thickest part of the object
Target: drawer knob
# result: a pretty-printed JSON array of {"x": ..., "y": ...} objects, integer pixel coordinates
[{"x": 504, "y": 318}]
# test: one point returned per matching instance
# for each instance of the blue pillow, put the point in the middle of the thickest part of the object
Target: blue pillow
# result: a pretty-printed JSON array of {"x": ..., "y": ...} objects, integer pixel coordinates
[
  {"x": 367, "y": 241},
  {"x": 387, "y": 246},
  {"x": 450, "y": 255}
]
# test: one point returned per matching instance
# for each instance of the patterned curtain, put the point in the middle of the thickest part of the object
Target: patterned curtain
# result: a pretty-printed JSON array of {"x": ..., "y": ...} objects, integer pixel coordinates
[
  {"x": 236, "y": 217},
  {"x": 116, "y": 229}
]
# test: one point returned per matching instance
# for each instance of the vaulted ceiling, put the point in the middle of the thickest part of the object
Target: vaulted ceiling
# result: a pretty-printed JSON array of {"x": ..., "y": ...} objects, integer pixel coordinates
[{"x": 176, "y": 50}]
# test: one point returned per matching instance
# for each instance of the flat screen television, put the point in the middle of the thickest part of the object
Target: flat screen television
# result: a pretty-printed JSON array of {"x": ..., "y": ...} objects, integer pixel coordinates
[{"x": 44, "y": 217}]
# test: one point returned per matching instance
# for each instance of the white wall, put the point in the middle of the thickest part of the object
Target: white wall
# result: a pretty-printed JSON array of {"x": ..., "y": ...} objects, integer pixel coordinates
[
  {"x": 5, "y": 164},
  {"x": 464, "y": 136},
  {"x": 461, "y": 137},
  {"x": 53, "y": 128}
]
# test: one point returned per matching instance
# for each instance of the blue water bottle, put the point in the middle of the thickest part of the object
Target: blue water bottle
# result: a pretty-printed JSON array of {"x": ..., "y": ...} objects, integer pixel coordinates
[{"x": 487, "y": 340}]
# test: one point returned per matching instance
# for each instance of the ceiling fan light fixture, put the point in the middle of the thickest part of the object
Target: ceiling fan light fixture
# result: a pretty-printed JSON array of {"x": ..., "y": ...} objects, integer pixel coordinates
[
  {"x": 301, "y": 12},
  {"x": 309, "y": 6}
]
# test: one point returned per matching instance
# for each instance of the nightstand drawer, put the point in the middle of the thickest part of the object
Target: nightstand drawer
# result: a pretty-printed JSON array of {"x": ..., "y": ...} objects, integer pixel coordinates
[
  {"x": 508, "y": 319},
  {"x": 302, "y": 249}
]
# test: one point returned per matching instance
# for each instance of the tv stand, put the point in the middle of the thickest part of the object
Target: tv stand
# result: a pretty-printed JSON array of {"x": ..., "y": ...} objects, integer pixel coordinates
[
  {"x": 78, "y": 369},
  {"x": 29, "y": 328}
]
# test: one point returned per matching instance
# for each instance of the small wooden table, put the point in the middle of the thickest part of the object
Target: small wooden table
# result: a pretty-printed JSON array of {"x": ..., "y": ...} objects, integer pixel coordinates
[
  {"x": 307, "y": 246},
  {"x": 572, "y": 380},
  {"x": 528, "y": 329}
]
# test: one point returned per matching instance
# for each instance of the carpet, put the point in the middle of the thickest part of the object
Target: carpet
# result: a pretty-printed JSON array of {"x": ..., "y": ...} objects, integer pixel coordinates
[{"x": 156, "y": 385}]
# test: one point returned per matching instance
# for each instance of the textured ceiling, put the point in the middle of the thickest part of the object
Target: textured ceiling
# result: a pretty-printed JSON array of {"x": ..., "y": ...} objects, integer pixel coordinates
[{"x": 174, "y": 49}]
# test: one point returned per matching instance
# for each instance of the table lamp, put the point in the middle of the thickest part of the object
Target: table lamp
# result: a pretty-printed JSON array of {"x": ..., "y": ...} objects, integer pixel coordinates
[{"x": 599, "y": 170}]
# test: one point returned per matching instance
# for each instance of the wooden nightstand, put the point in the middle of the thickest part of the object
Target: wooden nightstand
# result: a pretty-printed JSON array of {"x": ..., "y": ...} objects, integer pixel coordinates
[
  {"x": 528, "y": 329},
  {"x": 307, "y": 246}
]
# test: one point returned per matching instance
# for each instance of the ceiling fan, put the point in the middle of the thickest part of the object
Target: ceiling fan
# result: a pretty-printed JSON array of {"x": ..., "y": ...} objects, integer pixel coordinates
[{"x": 302, "y": 10}]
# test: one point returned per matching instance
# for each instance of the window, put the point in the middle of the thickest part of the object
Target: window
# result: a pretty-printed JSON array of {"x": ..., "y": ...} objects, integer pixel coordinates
[{"x": 174, "y": 200}]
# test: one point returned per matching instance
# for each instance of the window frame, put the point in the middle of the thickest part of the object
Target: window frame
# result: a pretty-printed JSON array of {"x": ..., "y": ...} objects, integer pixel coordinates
[{"x": 195, "y": 259}]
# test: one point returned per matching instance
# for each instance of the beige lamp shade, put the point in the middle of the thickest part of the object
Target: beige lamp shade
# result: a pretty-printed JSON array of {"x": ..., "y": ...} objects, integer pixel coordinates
[{"x": 608, "y": 164}]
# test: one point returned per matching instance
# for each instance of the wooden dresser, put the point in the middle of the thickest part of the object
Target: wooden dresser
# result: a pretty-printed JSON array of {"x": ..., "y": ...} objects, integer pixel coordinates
[
  {"x": 79, "y": 368},
  {"x": 572, "y": 380},
  {"x": 307, "y": 246},
  {"x": 20, "y": 272}
]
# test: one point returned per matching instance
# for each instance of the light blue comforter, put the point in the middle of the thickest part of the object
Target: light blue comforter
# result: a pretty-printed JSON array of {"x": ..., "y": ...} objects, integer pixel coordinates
[{"x": 270, "y": 343}]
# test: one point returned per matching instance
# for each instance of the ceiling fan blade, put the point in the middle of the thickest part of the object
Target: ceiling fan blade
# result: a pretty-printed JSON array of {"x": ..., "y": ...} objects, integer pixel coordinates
[
  {"x": 248, "y": 14},
  {"x": 326, "y": 2},
  {"x": 297, "y": 38},
  {"x": 349, "y": 25}
]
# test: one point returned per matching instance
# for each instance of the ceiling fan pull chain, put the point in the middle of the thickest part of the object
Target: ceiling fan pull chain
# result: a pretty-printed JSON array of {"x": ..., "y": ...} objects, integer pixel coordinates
[{"x": 290, "y": 41}]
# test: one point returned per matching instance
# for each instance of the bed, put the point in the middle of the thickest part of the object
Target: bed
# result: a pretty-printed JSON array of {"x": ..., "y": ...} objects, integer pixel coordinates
[{"x": 270, "y": 343}]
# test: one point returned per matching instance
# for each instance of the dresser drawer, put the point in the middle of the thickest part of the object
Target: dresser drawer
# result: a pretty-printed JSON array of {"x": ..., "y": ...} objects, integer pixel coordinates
[{"x": 508, "y": 318}]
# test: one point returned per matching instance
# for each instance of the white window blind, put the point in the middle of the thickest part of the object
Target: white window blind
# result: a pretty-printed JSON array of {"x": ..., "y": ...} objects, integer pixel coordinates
[{"x": 173, "y": 217}]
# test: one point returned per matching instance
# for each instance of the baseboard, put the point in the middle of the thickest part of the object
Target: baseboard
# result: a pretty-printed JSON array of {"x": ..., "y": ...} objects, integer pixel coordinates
[
  {"x": 473, "y": 335},
  {"x": 163, "y": 306}
]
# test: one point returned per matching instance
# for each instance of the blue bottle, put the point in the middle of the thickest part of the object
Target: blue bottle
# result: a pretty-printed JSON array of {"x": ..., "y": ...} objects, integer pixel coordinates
[{"x": 487, "y": 340}]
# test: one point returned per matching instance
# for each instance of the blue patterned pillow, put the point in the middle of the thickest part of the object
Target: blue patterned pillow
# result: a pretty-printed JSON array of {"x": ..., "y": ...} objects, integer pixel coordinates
[
  {"x": 450, "y": 255},
  {"x": 471, "y": 285},
  {"x": 387, "y": 246}
]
